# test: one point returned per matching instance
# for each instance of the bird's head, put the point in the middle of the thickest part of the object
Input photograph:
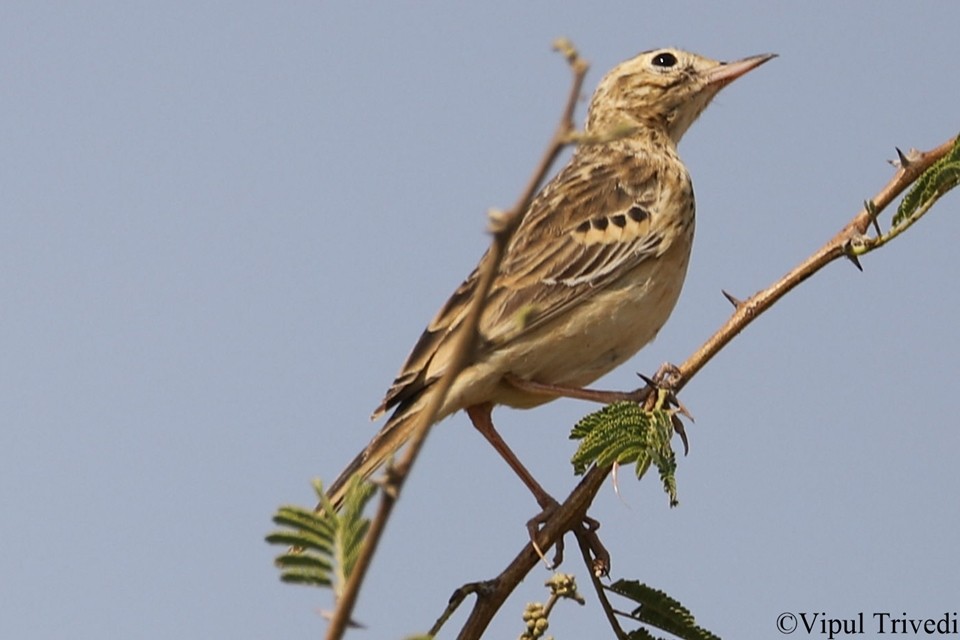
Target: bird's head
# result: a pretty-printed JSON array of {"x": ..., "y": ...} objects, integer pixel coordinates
[{"x": 662, "y": 91}]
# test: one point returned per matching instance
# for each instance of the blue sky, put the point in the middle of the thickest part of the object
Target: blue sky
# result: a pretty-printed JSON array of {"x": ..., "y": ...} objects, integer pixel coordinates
[{"x": 225, "y": 224}]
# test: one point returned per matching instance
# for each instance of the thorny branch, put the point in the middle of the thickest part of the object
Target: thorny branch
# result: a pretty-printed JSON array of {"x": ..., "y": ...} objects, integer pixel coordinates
[{"x": 840, "y": 246}]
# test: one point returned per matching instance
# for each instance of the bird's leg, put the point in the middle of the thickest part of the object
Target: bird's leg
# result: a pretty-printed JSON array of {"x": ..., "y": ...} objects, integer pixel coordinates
[
  {"x": 480, "y": 417},
  {"x": 578, "y": 393},
  {"x": 482, "y": 421},
  {"x": 665, "y": 379}
]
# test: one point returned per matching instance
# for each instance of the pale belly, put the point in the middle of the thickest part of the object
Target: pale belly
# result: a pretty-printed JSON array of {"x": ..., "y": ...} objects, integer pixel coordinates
[{"x": 585, "y": 343}]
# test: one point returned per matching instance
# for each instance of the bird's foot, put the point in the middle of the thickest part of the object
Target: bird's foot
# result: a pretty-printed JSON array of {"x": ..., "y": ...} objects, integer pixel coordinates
[{"x": 587, "y": 528}]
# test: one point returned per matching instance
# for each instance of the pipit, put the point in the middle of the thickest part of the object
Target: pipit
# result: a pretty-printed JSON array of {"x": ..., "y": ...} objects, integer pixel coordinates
[{"x": 591, "y": 274}]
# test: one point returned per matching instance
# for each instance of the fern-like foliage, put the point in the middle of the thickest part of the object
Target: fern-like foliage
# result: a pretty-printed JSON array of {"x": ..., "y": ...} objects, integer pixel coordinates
[
  {"x": 323, "y": 546},
  {"x": 626, "y": 433},
  {"x": 658, "y": 610},
  {"x": 933, "y": 183}
]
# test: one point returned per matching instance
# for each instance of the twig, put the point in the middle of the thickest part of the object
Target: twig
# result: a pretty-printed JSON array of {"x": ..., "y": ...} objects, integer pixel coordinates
[
  {"x": 598, "y": 587},
  {"x": 502, "y": 227},
  {"x": 455, "y": 601}
]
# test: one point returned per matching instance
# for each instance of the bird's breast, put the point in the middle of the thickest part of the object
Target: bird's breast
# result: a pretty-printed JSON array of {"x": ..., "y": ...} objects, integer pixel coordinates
[{"x": 600, "y": 333}]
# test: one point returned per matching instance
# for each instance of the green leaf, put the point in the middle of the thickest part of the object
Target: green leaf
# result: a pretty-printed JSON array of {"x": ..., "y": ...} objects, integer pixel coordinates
[
  {"x": 306, "y": 577},
  {"x": 322, "y": 546},
  {"x": 626, "y": 433},
  {"x": 312, "y": 532},
  {"x": 658, "y": 610}
]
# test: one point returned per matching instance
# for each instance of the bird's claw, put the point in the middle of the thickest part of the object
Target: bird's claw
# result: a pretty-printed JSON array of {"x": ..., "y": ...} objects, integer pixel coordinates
[{"x": 549, "y": 507}]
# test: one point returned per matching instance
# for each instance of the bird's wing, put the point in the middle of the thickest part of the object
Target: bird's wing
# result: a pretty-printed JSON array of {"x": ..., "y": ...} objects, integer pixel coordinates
[
  {"x": 594, "y": 222},
  {"x": 413, "y": 377}
]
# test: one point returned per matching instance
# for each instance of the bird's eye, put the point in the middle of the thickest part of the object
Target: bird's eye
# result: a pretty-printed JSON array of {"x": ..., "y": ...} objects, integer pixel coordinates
[{"x": 664, "y": 60}]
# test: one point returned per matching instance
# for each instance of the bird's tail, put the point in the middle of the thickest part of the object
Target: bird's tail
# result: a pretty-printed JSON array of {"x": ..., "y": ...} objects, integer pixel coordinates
[{"x": 388, "y": 440}]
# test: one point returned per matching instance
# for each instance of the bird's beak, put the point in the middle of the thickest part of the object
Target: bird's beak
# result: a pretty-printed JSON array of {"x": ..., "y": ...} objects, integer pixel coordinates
[{"x": 726, "y": 72}]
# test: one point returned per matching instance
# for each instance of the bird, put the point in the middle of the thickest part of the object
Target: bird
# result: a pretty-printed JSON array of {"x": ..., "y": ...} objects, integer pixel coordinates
[{"x": 591, "y": 274}]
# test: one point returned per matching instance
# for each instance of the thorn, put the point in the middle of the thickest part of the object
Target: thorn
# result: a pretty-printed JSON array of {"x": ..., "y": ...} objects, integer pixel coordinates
[
  {"x": 906, "y": 159},
  {"x": 680, "y": 431},
  {"x": 736, "y": 302},
  {"x": 850, "y": 246},
  {"x": 871, "y": 208},
  {"x": 351, "y": 624},
  {"x": 902, "y": 159},
  {"x": 650, "y": 382},
  {"x": 852, "y": 257},
  {"x": 682, "y": 410}
]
